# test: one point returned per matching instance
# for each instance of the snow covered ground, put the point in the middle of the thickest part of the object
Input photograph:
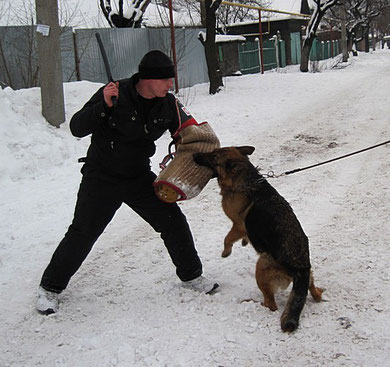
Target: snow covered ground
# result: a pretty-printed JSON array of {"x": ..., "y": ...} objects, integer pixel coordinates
[{"x": 125, "y": 307}]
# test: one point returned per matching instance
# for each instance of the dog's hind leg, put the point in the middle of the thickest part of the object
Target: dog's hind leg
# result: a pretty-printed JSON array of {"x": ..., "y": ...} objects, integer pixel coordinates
[
  {"x": 264, "y": 282},
  {"x": 296, "y": 300},
  {"x": 269, "y": 277},
  {"x": 234, "y": 235},
  {"x": 315, "y": 292}
]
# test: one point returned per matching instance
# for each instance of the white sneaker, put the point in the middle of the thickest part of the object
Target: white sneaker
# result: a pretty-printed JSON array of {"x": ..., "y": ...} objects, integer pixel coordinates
[
  {"x": 47, "y": 302},
  {"x": 201, "y": 284}
]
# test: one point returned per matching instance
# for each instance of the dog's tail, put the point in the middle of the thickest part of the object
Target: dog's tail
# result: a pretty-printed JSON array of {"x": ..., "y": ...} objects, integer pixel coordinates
[{"x": 296, "y": 300}]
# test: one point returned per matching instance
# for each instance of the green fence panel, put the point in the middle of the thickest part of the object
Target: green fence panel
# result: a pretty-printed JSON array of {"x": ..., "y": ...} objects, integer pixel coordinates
[
  {"x": 312, "y": 55},
  {"x": 326, "y": 50},
  {"x": 336, "y": 48},
  {"x": 249, "y": 57},
  {"x": 269, "y": 55},
  {"x": 319, "y": 51},
  {"x": 295, "y": 48},
  {"x": 220, "y": 53}
]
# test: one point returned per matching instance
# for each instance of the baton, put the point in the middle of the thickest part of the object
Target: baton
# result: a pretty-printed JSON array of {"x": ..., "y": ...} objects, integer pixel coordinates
[{"x": 106, "y": 65}]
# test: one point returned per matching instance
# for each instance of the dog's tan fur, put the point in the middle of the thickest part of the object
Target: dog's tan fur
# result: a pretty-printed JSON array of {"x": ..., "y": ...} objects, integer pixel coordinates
[
  {"x": 271, "y": 276},
  {"x": 231, "y": 166}
]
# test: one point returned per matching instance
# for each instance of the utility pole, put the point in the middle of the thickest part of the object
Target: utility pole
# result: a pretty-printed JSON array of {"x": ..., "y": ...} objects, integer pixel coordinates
[
  {"x": 344, "y": 44},
  {"x": 50, "y": 65},
  {"x": 173, "y": 44}
]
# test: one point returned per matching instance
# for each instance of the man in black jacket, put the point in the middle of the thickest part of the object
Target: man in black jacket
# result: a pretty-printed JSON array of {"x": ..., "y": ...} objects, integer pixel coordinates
[{"x": 117, "y": 170}]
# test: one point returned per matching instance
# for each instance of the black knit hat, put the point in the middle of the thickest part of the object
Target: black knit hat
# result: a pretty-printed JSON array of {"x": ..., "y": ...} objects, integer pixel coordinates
[{"x": 156, "y": 65}]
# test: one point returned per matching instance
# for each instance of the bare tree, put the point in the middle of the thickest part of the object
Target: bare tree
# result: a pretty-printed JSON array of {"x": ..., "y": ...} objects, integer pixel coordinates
[
  {"x": 210, "y": 47},
  {"x": 226, "y": 15},
  {"x": 383, "y": 24},
  {"x": 320, "y": 8},
  {"x": 360, "y": 16},
  {"x": 233, "y": 14},
  {"x": 124, "y": 14}
]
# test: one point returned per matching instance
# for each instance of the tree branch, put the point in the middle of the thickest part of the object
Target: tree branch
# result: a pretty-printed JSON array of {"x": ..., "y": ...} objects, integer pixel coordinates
[{"x": 215, "y": 5}]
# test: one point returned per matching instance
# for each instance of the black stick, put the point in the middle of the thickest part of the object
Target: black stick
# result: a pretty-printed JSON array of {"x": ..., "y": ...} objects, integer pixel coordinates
[{"x": 106, "y": 64}]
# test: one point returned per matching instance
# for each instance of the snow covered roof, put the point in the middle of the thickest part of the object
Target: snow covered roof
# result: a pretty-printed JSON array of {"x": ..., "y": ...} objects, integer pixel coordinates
[
  {"x": 289, "y": 6},
  {"x": 265, "y": 19},
  {"x": 221, "y": 38}
]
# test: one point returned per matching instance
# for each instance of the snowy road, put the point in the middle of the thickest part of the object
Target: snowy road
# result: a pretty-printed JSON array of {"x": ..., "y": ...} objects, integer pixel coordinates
[{"x": 125, "y": 307}]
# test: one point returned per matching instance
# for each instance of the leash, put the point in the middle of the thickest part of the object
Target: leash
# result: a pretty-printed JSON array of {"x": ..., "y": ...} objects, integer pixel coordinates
[
  {"x": 271, "y": 174},
  {"x": 163, "y": 164}
]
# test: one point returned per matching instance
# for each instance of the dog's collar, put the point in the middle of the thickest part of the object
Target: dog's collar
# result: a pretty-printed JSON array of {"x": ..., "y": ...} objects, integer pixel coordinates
[{"x": 248, "y": 186}]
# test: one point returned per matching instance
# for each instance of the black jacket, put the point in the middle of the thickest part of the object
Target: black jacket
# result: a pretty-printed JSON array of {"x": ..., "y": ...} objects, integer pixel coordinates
[{"x": 123, "y": 137}]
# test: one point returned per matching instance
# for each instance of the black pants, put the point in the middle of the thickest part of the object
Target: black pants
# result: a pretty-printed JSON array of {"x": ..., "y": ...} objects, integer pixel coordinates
[{"x": 96, "y": 205}]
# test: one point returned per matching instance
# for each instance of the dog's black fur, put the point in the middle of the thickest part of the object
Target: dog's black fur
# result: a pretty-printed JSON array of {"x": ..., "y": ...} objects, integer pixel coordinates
[{"x": 260, "y": 214}]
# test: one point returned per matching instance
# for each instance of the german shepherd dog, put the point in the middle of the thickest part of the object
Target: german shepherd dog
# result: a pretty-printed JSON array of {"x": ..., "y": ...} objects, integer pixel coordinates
[{"x": 263, "y": 217}]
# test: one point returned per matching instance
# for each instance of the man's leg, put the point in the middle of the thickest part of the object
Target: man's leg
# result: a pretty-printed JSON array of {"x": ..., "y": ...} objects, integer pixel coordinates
[
  {"x": 170, "y": 222},
  {"x": 96, "y": 205}
]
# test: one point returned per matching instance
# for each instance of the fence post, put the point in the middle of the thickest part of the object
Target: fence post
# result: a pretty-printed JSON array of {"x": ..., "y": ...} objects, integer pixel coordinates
[
  {"x": 76, "y": 57},
  {"x": 276, "y": 41},
  {"x": 261, "y": 44}
]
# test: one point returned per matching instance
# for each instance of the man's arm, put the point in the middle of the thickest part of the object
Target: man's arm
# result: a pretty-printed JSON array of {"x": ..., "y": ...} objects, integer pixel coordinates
[
  {"x": 182, "y": 116},
  {"x": 95, "y": 112}
]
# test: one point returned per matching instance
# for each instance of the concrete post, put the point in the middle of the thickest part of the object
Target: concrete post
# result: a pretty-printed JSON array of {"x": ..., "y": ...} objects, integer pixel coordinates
[
  {"x": 50, "y": 65},
  {"x": 344, "y": 34}
]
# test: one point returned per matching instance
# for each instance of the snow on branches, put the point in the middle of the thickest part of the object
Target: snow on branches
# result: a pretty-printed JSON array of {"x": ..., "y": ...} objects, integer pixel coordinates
[
  {"x": 319, "y": 9},
  {"x": 124, "y": 14}
]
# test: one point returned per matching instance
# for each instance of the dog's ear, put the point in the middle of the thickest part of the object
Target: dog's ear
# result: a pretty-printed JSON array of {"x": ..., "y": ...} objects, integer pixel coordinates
[{"x": 246, "y": 150}]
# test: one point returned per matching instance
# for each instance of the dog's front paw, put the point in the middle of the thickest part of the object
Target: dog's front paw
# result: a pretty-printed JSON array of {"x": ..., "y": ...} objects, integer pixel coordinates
[{"x": 227, "y": 249}]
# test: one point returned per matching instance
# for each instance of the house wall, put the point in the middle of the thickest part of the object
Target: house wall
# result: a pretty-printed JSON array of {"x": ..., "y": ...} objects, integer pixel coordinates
[
  {"x": 328, "y": 35},
  {"x": 229, "y": 59}
]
